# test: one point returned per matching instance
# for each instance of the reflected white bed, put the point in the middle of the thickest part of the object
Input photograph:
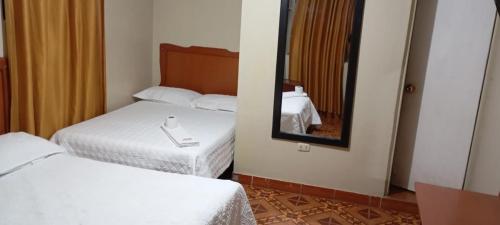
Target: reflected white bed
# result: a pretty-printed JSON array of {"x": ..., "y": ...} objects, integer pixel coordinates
[
  {"x": 60, "y": 189},
  {"x": 132, "y": 136},
  {"x": 297, "y": 114}
]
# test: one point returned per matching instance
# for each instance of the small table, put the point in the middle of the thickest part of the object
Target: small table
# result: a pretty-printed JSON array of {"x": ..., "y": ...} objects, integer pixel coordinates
[{"x": 443, "y": 206}]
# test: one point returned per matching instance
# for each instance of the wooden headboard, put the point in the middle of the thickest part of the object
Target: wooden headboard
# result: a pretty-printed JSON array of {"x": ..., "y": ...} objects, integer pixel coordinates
[
  {"x": 4, "y": 97},
  {"x": 201, "y": 69}
]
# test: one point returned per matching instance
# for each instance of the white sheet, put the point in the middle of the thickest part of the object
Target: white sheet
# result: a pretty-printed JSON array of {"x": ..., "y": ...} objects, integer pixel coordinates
[
  {"x": 132, "y": 136},
  {"x": 13, "y": 158},
  {"x": 64, "y": 190},
  {"x": 297, "y": 114}
]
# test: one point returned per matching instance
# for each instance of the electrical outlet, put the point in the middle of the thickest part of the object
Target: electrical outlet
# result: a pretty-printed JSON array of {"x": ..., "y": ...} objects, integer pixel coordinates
[{"x": 304, "y": 147}]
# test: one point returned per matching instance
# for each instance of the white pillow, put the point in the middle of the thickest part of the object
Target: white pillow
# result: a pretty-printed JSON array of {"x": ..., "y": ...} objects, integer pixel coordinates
[
  {"x": 176, "y": 96},
  {"x": 216, "y": 102},
  {"x": 17, "y": 149}
]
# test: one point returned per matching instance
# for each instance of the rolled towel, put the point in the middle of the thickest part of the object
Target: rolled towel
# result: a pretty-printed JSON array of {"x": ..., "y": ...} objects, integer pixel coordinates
[
  {"x": 293, "y": 94},
  {"x": 179, "y": 136}
]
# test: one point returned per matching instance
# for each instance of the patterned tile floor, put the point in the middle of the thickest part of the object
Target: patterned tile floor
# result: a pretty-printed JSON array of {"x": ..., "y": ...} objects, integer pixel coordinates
[
  {"x": 283, "y": 208},
  {"x": 330, "y": 127}
]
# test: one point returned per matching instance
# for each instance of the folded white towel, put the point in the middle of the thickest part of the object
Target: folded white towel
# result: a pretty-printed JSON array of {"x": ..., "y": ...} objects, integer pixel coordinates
[
  {"x": 293, "y": 94},
  {"x": 180, "y": 136}
]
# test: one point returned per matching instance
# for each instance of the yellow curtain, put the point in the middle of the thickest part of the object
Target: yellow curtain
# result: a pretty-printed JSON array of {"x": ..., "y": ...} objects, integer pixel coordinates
[
  {"x": 318, "y": 48},
  {"x": 56, "y": 60}
]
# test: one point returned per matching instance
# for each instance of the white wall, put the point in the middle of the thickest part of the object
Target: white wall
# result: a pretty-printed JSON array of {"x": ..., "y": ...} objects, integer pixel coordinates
[
  {"x": 128, "y": 34},
  {"x": 207, "y": 23},
  {"x": 484, "y": 166},
  {"x": 364, "y": 167},
  {"x": 453, "y": 79}
]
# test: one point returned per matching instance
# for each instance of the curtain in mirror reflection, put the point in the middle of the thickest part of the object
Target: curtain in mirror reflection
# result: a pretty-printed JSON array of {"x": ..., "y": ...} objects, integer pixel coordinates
[
  {"x": 319, "y": 48},
  {"x": 56, "y": 61}
]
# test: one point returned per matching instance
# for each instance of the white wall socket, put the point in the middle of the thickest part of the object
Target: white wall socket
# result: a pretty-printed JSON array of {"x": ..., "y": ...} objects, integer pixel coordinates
[{"x": 304, "y": 147}]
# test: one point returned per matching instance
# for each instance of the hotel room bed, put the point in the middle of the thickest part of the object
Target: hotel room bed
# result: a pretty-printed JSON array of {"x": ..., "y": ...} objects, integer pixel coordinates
[
  {"x": 297, "y": 114},
  {"x": 132, "y": 136},
  {"x": 45, "y": 185}
]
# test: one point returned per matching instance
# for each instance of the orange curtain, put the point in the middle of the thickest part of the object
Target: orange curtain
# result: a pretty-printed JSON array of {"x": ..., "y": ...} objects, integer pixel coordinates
[
  {"x": 56, "y": 61},
  {"x": 318, "y": 48}
]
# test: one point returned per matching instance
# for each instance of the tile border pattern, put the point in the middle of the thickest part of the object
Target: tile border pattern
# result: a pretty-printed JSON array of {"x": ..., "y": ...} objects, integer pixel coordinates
[{"x": 373, "y": 201}]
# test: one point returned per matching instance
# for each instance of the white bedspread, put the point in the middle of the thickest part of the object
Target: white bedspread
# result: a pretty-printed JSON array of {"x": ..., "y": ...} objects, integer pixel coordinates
[
  {"x": 64, "y": 190},
  {"x": 132, "y": 136},
  {"x": 297, "y": 114},
  {"x": 11, "y": 161}
]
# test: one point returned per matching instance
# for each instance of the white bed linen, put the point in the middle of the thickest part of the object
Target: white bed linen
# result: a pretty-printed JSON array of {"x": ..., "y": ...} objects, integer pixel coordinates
[
  {"x": 132, "y": 136},
  {"x": 64, "y": 190},
  {"x": 13, "y": 160},
  {"x": 297, "y": 114}
]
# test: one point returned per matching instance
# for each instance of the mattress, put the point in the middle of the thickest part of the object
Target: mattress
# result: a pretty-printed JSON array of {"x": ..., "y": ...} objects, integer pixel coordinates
[
  {"x": 61, "y": 189},
  {"x": 132, "y": 136},
  {"x": 297, "y": 114}
]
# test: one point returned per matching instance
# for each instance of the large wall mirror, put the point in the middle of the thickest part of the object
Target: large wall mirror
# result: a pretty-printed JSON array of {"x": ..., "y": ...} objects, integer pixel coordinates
[{"x": 316, "y": 70}]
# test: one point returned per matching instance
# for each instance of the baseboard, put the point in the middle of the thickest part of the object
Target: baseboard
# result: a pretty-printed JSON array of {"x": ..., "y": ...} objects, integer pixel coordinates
[{"x": 373, "y": 201}]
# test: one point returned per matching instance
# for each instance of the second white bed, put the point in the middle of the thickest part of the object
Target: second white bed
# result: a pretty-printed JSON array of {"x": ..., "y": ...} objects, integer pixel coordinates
[
  {"x": 132, "y": 136},
  {"x": 41, "y": 184}
]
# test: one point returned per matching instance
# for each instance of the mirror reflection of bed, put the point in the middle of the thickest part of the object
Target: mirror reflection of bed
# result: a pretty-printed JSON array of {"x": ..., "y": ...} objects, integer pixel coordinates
[{"x": 316, "y": 67}]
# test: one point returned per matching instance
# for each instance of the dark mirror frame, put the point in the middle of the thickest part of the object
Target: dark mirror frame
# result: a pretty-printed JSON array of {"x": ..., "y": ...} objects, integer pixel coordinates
[
  {"x": 350, "y": 85},
  {"x": 497, "y": 2}
]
